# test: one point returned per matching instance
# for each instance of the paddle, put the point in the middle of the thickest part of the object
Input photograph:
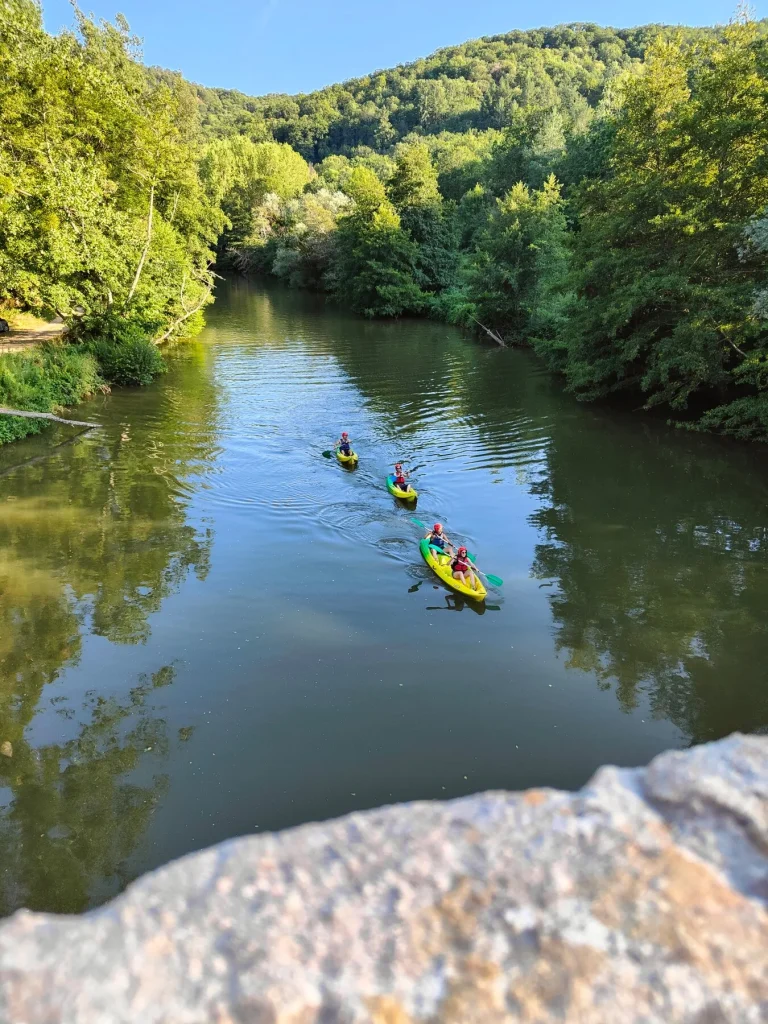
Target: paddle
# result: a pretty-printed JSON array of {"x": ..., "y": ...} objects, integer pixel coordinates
[
  {"x": 327, "y": 454},
  {"x": 497, "y": 581}
]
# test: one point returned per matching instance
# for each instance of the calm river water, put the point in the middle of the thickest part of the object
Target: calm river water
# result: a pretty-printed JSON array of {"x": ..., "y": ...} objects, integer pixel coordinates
[{"x": 207, "y": 629}]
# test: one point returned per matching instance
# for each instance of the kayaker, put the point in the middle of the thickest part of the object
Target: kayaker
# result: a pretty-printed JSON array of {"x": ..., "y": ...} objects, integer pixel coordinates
[
  {"x": 437, "y": 539},
  {"x": 343, "y": 444},
  {"x": 400, "y": 478},
  {"x": 462, "y": 567}
]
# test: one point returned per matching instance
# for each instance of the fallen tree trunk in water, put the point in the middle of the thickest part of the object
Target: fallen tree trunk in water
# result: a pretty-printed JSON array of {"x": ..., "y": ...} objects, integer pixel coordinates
[
  {"x": 491, "y": 334},
  {"x": 25, "y": 414}
]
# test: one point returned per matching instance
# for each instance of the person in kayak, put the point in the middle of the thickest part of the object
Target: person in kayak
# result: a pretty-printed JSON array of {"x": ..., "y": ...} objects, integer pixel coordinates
[
  {"x": 400, "y": 478},
  {"x": 437, "y": 539},
  {"x": 343, "y": 444},
  {"x": 462, "y": 568}
]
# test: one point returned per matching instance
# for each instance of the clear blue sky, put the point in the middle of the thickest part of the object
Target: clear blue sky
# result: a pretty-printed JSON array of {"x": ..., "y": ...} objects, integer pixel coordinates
[{"x": 261, "y": 46}]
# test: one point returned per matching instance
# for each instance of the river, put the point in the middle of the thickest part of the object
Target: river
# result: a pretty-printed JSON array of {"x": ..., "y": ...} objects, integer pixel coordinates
[{"x": 209, "y": 630}]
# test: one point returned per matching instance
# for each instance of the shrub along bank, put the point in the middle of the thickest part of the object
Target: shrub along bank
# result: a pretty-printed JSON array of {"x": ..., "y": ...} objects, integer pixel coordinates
[{"x": 55, "y": 375}]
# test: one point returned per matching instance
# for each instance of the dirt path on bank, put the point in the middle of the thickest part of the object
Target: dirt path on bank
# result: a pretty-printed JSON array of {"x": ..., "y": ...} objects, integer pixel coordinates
[{"x": 27, "y": 331}]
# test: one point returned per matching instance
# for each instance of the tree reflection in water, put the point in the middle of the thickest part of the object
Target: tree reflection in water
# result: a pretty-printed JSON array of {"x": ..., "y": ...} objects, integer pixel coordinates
[{"x": 92, "y": 541}]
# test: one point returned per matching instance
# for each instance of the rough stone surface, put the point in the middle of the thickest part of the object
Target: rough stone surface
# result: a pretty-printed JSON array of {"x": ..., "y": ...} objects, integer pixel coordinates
[{"x": 640, "y": 899}]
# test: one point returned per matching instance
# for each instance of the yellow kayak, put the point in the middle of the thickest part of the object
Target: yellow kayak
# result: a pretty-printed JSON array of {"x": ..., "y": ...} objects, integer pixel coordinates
[
  {"x": 410, "y": 495},
  {"x": 349, "y": 460},
  {"x": 441, "y": 565}
]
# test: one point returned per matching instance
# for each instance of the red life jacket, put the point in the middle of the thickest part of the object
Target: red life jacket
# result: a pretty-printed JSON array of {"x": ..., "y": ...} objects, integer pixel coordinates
[
  {"x": 400, "y": 482},
  {"x": 460, "y": 564}
]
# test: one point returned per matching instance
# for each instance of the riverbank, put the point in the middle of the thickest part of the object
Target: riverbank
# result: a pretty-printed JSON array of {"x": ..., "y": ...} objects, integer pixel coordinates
[
  {"x": 27, "y": 330},
  {"x": 54, "y": 375},
  {"x": 45, "y": 378}
]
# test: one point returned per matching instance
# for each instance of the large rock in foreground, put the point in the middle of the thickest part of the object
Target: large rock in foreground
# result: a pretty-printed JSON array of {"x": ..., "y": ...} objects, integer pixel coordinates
[{"x": 641, "y": 898}]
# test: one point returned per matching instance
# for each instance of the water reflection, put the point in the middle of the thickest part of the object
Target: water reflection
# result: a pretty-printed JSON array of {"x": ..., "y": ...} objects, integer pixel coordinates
[
  {"x": 649, "y": 547},
  {"x": 658, "y": 550},
  {"x": 307, "y": 669},
  {"x": 93, "y": 539},
  {"x": 457, "y": 603},
  {"x": 74, "y": 813}
]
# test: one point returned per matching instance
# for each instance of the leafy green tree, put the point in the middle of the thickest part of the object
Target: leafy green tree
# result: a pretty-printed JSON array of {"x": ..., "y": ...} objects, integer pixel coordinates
[
  {"x": 305, "y": 237},
  {"x": 366, "y": 190},
  {"x": 414, "y": 192},
  {"x": 520, "y": 252},
  {"x": 376, "y": 264},
  {"x": 414, "y": 182},
  {"x": 239, "y": 174},
  {"x": 101, "y": 206},
  {"x": 665, "y": 283}
]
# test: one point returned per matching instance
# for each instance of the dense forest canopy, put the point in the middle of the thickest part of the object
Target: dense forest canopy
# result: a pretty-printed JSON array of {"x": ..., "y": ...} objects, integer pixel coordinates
[
  {"x": 476, "y": 86},
  {"x": 597, "y": 194}
]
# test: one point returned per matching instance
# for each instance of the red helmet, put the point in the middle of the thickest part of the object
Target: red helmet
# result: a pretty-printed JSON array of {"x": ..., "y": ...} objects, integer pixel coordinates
[
  {"x": 344, "y": 433},
  {"x": 462, "y": 551},
  {"x": 438, "y": 527}
]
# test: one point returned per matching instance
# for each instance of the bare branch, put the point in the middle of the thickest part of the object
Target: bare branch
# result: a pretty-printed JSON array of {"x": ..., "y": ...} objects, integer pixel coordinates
[
  {"x": 46, "y": 416},
  {"x": 491, "y": 334},
  {"x": 187, "y": 315},
  {"x": 145, "y": 250}
]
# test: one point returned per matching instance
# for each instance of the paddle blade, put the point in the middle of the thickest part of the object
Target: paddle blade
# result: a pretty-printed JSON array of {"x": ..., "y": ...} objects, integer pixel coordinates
[
  {"x": 418, "y": 523},
  {"x": 327, "y": 455},
  {"x": 497, "y": 581}
]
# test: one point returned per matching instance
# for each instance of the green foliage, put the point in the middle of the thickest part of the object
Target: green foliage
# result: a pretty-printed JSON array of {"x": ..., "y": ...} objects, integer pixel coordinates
[
  {"x": 101, "y": 204},
  {"x": 414, "y": 182},
  {"x": 474, "y": 87},
  {"x": 375, "y": 270},
  {"x": 122, "y": 350},
  {"x": 305, "y": 243},
  {"x": 134, "y": 360},
  {"x": 521, "y": 251},
  {"x": 365, "y": 190},
  {"x": 666, "y": 284},
  {"x": 42, "y": 380},
  {"x": 239, "y": 174}
]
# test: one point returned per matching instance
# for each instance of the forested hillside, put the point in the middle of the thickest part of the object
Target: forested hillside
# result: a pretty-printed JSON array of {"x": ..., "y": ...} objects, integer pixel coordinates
[
  {"x": 476, "y": 86},
  {"x": 597, "y": 194}
]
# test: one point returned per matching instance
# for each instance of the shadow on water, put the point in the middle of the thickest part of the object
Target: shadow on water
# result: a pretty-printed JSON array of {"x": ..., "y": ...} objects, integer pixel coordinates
[{"x": 659, "y": 553}]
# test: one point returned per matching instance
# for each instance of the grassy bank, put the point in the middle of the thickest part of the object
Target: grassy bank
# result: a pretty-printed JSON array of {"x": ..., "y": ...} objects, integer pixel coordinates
[{"x": 52, "y": 376}]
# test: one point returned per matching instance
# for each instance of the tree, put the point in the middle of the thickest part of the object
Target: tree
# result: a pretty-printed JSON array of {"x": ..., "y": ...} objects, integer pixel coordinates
[
  {"x": 239, "y": 174},
  {"x": 414, "y": 182},
  {"x": 520, "y": 252},
  {"x": 366, "y": 190},
  {"x": 101, "y": 205},
  {"x": 665, "y": 284},
  {"x": 375, "y": 266}
]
